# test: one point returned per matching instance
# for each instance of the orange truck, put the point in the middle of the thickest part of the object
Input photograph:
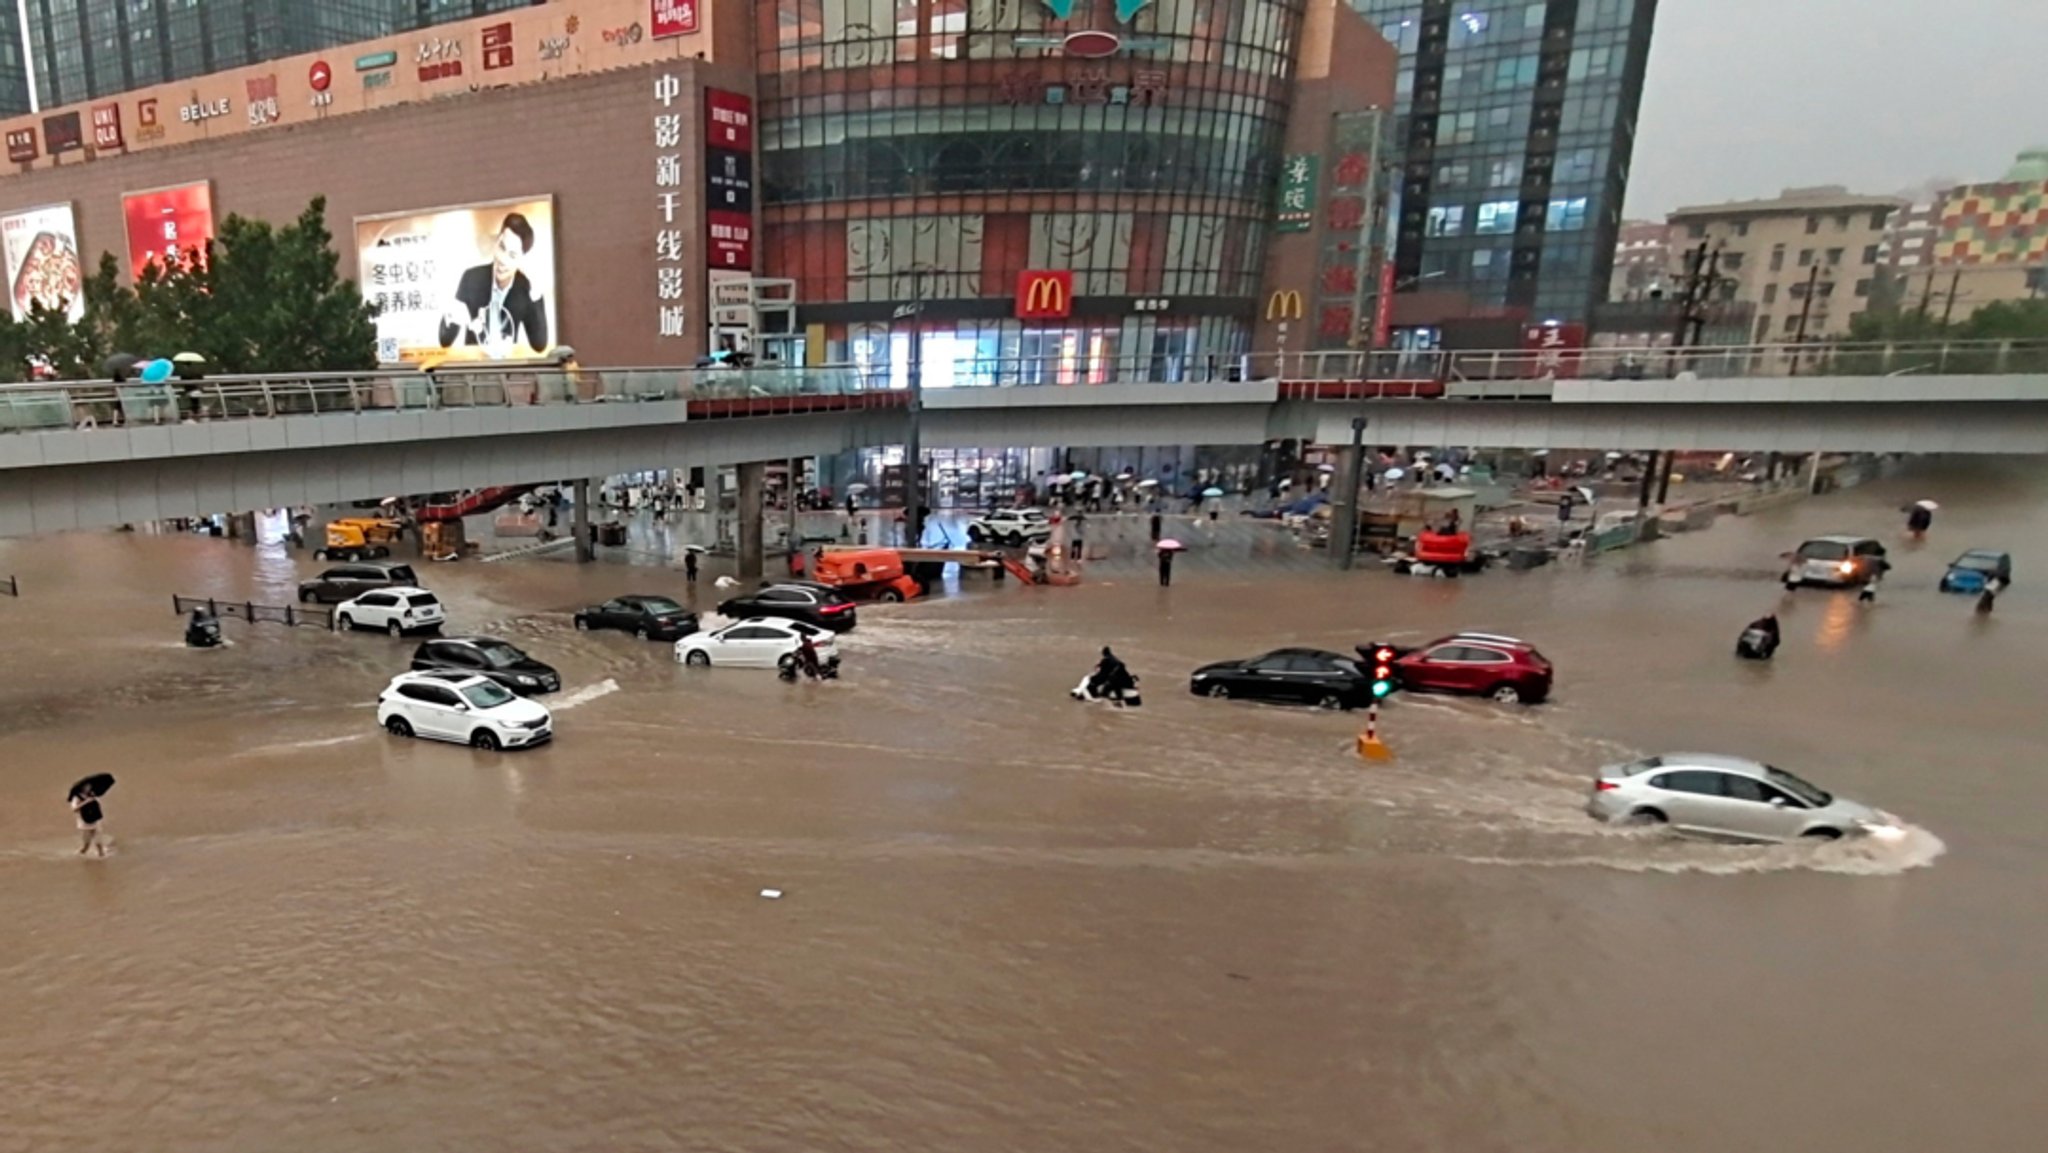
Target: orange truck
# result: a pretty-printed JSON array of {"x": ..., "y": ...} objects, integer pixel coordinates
[{"x": 866, "y": 573}]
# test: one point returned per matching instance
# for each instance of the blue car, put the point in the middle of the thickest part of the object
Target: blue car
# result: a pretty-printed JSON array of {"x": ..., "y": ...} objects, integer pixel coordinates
[{"x": 1968, "y": 572}]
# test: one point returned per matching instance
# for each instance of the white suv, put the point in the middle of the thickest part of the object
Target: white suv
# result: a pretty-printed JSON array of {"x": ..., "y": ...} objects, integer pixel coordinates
[
  {"x": 1011, "y": 526},
  {"x": 395, "y": 610},
  {"x": 464, "y": 708}
]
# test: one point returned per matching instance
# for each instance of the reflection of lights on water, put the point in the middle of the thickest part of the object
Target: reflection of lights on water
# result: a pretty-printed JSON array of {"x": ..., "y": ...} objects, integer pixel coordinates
[{"x": 1834, "y": 627}]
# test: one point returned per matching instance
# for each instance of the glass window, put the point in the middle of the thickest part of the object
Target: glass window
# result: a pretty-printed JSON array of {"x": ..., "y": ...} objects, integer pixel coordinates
[
  {"x": 1693, "y": 781},
  {"x": 1447, "y": 221},
  {"x": 1731, "y": 261},
  {"x": 1777, "y": 258},
  {"x": 1812, "y": 225},
  {"x": 487, "y": 694},
  {"x": 1566, "y": 215},
  {"x": 1770, "y": 294},
  {"x": 1834, "y": 256},
  {"x": 1870, "y": 254},
  {"x": 1805, "y": 257},
  {"x": 1496, "y": 216}
]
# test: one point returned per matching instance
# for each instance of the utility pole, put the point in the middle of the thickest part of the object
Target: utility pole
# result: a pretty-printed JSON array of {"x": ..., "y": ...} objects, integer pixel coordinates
[
  {"x": 1345, "y": 527},
  {"x": 1805, "y": 313},
  {"x": 1927, "y": 294},
  {"x": 913, "y": 449},
  {"x": 1955, "y": 281}
]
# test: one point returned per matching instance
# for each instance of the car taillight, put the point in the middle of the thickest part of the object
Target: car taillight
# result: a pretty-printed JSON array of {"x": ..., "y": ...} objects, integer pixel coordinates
[
  {"x": 1605, "y": 786},
  {"x": 836, "y": 608}
]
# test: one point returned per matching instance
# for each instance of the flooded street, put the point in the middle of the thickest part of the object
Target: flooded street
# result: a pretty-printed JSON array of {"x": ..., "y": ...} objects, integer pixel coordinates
[{"x": 1012, "y": 922}]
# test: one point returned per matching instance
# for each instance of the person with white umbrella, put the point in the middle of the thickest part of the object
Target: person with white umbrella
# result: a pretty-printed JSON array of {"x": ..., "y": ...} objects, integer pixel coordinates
[{"x": 1167, "y": 548}]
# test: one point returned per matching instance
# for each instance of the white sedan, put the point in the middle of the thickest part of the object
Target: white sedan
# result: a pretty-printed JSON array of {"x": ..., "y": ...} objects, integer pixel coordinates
[{"x": 753, "y": 644}]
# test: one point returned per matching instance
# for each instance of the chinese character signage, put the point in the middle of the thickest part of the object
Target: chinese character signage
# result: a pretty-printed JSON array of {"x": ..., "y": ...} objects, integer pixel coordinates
[
  {"x": 476, "y": 282},
  {"x": 672, "y": 17},
  {"x": 63, "y": 133},
  {"x": 498, "y": 46},
  {"x": 438, "y": 57},
  {"x": 167, "y": 225},
  {"x": 1045, "y": 295},
  {"x": 670, "y": 215},
  {"x": 729, "y": 180},
  {"x": 262, "y": 106},
  {"x": 40, "y": 246},
  {"x": 1296, "y": 210},
  {"x": 106, "y": 127},
  {"x": 1557, "y": 348},
  {"x": 21, "y": 145}
]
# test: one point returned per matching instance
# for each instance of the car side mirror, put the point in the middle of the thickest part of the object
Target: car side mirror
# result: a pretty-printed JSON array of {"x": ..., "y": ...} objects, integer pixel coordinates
[
  {"x": 1777, "y": 802},
  {"x": 461, "y": 707}
]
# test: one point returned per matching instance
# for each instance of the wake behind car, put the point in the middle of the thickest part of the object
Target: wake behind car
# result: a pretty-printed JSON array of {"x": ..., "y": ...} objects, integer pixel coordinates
[
  {"x": 1293, "y": 676},
  {"x": 1473, "y": 664},
  {"x": 806, "y": 601},
  {"x": 1733, "y": 798},
  {"x": 1015, "y": 527},
  {"x": 760, "y": 643},
  {"x": 647, "y": 617},
  {"x": 490, "y": 658},
  {"x": 341, "y": 582},
  {"x": 397, "y": 611},
  {"x": 464, "y": 708},
  {"x": 1836, "y": 561}
]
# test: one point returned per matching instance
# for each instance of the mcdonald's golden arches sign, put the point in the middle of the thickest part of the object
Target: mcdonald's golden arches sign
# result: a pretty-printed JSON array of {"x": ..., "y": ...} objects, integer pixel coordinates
[
  {"x": 1043, "y": 295},
  {"x": 1284, "y": 305}
]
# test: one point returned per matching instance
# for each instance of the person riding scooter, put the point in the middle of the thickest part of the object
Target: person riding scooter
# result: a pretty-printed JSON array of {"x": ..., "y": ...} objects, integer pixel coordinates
[
  {"x": 803, "y": 661},
  {"x": 1759, "y": 640},
  {"x": 1111, "y": 680},
  {"x": 203, "y": 630}
]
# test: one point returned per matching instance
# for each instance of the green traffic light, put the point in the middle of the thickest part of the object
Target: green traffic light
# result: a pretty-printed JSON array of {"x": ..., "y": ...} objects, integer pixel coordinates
[{"x": 1382, "y": 688}]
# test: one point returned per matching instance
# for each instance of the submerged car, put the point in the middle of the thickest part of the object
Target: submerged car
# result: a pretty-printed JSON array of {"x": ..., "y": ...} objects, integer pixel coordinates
[
  {"x": 397, "y": 610},
  {"x": 1836, "y": 561},
  {"x": 464, "y": 708},
  {"x": 1473, "y": 664},
  {"x": 760, "y": 643},
  {"x": 1969, "y": 572},
  {"x": 647, "y": 617},
  {"x": 488, "y": 657},
  {"x": 1732, "y": 798},
  {"x": 1293, "y": 676},
  {"x": 808, "y": 601}
]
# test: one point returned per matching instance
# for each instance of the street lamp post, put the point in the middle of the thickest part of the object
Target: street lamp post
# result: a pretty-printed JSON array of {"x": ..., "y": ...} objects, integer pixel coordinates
[
  {"x": 1354, "y": 477},
  {"x": 913, "y": 449}
]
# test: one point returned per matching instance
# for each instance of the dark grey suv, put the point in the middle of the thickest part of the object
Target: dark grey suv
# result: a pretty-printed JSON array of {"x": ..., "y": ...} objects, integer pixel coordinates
[
  {"x": 488, "y": 657},
  {"x": 347, "y": 581}
]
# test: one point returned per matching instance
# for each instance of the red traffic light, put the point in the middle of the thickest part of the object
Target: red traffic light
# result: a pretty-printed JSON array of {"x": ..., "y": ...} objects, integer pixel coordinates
[
  {"x": 1383, "y": 655},
  {"x": 1382, "y": 672}
]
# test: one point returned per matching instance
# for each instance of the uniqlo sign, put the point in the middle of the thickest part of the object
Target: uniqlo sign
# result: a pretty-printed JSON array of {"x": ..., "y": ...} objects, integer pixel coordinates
[{"x": 672, "y": 17}]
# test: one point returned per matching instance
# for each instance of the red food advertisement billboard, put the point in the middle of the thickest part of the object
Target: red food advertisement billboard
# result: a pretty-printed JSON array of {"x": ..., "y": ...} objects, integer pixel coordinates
[
  {"x": 167, "y": 224},
  {"x": 672, "y": 17}
]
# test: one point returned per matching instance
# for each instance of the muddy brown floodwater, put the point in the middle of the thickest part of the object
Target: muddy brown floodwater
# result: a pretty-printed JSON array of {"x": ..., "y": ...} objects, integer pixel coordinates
[{"x": 1012, "y": 922}]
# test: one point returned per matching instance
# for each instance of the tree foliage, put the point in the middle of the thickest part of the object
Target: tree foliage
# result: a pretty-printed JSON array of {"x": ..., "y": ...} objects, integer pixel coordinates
[{"x": 260, "y": 299}]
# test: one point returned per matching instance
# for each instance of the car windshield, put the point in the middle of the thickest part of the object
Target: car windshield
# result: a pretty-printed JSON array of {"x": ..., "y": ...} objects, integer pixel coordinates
[
  {"x": 486, "y": 695},
  {"x": 500, "y": 656},
  {"x": 1979, "y": 561},
  {"x": 661, "y": 606},
  {"x": 403, "y": 574},
  {"x": 1823, "y": 550},
  {"x": 1798, "y": 788}
]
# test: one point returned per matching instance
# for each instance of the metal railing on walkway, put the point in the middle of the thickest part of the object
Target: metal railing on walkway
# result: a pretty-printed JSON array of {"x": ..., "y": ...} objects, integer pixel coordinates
[
  {"x": 315, "y": 616},
  {"x": 103, "y": 403}
]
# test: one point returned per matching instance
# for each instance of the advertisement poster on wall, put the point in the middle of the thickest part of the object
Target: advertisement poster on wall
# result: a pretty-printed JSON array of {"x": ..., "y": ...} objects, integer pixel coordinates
[
  {"x": 167, "y": 224},
  {"x": 471, "y": 282},
  {"x": 40, "y": 250}
]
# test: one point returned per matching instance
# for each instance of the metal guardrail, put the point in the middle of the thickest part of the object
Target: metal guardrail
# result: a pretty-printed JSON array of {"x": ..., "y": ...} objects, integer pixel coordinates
[
  {"x": 317, "y": 616},
  {"x": 105, "y": 403}
]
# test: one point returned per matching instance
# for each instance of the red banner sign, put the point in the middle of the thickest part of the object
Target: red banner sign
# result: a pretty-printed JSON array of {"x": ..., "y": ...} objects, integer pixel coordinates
[
  {"x": 728, "y": 120},
  {"x": 1383, "y": 308},
  {"x": 106, "y": 126},
  {"x": 21, "y": 145},
  {"x": 1045, "y": 295},
  {"x": 168, "y": 224},
  {"x": 1557, "y": 347},
  {"x": 672, "y": 17}
]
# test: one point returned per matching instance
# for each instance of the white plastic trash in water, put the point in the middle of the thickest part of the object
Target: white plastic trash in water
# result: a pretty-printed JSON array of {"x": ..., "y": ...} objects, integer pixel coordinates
[{"x": 772, "y": 894}]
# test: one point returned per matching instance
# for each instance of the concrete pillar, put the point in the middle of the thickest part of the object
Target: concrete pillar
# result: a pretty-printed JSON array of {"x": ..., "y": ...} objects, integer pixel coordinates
[
  {"x": 753, "y": 479},
  {"x": 586, "y": 548}
]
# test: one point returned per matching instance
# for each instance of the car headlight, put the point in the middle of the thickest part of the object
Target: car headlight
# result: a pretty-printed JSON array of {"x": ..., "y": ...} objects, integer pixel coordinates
[
  {"x": 528, "y": 681},
  {"x": 1884, "y": 827}
]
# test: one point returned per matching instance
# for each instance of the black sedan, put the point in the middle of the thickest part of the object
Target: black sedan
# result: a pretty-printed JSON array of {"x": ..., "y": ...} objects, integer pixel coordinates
[
  {"x": 489, "y": 657},
  {"x": 1294, "y": 676},
  {"x": 813, "y": 604},
  {"x": 646, "y": 617}
]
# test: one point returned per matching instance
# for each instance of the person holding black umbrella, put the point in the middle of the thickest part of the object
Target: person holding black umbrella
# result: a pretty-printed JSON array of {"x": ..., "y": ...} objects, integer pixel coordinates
[{"x": 85, "y": 805}]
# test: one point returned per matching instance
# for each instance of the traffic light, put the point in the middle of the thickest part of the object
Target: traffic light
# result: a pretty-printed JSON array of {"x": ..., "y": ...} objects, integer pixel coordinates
[{"x": 1382, "y": 671}]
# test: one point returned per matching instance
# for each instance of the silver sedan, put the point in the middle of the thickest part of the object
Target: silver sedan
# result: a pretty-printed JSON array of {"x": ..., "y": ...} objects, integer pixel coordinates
[{"x": 1730, "y": 797}]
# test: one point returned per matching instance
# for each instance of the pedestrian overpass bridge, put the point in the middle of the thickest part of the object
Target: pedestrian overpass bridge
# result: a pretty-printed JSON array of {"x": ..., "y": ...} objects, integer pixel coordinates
[{"x": 81, "y": 455}]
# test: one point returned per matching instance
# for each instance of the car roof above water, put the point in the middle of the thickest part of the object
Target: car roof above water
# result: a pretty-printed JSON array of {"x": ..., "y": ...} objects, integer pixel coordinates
[{"x": 1719, "y": 761}]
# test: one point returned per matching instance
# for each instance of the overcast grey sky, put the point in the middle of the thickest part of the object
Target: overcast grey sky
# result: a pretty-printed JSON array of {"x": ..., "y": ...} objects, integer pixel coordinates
[{"x": 1746, "y": 97}]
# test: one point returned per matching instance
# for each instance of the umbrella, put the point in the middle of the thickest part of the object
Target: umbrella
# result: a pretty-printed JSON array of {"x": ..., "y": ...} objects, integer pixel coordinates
[
  {"x": 1394, "y": 474},
  {"x": 1169, "y": 545},
  {"x": 695, "y": 548},
  {"x": 120, "y": 366},
  {"x": 156, "y": 371},
  {"x": 1077, "y": 476},
  {"x": 189, "y": 366},
  {"x": 856, "y": 487},
  {"x": 1212, "y": 493},
  {"x": 1148, "y": 483},
  {"x": 1613, "y": 456},
  {"x": 1326, "y": 468},
  {"x": 1541, "y": 452},
  {"x": 98, "y": 784},
  {"x": 1929, "y": 505},
  {"x": 1125, "y": 474}
]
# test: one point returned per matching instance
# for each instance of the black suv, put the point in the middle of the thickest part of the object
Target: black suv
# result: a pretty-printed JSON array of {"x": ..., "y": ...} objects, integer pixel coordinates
[
  {"x": 489, "y": 657},
  {"x": 813, "y": 604},
  {"x": 346, "y": 581}
]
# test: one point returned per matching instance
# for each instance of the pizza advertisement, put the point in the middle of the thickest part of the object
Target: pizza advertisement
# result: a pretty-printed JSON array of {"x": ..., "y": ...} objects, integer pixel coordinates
[{"x": 40, "y": 248}]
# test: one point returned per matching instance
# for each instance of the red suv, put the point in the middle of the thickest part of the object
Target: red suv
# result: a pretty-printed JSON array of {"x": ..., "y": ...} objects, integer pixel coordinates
[{"x": 1476, "y": 664}]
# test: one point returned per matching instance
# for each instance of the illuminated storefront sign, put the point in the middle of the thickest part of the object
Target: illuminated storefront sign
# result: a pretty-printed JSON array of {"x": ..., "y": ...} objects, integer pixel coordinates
[
  {"x": 475, "y": 282},
  {"x": 106, "y": 127},
  {"x": 1284, "y": 305},
  {"x": 167, "y": 225},
  {"x": 1045, "y": 295},
  {"x": 672, "y": 17}
]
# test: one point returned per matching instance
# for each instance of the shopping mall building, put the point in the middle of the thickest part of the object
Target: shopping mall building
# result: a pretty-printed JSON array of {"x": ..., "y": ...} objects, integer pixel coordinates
[{"x": 1052, "y": 191}]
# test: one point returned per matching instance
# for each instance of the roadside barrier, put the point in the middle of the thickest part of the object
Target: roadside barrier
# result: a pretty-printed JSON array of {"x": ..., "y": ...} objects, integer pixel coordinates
[{"x": 315, "y": 616}]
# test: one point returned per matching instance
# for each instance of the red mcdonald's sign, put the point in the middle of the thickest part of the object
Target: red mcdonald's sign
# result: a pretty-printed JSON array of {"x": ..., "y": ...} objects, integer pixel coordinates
[{"x": 1045, "y": 295}]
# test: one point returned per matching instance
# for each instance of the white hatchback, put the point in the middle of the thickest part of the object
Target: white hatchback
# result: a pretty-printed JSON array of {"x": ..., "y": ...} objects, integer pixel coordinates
[
  {"x": 760, "y": 643},
  {"x": 464, "y": 708},
  {"x": 394, "y": 610}
]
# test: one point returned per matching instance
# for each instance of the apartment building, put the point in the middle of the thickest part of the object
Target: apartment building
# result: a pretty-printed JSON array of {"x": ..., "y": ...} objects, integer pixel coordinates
[
  {"x": 1808, "y": 259},
  {"x": 1642, "y": 261}
]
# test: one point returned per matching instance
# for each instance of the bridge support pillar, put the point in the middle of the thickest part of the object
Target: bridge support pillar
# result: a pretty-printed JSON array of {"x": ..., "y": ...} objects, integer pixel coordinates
[
  {"x": 753, "y": 480},
  {"x": 586, "y": 550}
]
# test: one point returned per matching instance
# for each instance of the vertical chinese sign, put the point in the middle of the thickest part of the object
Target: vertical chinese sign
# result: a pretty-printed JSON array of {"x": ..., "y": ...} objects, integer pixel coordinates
[
  {"x": 1296, "y": 208},
  {"x": 1350, "y": 252},
  {"x": 729, "y": 180},
  {"x": 668, "y": 202}
]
